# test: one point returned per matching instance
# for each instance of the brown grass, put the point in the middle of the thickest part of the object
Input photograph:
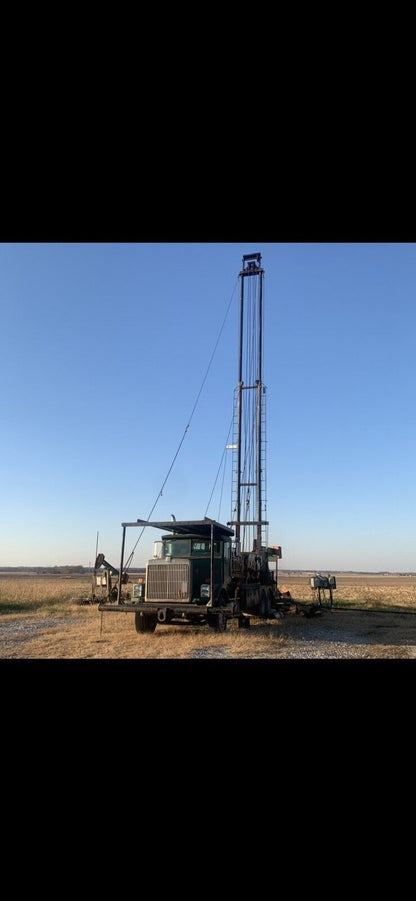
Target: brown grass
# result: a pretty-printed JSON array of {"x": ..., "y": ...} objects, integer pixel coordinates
[
  {"x": 43, "y": 617},
  {"x": 42, "y": 594},
  {"x": 372, "y": 592}
]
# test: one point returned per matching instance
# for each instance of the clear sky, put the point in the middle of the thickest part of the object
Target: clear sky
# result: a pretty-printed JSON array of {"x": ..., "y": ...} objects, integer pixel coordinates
[{"x": 110, "y": 350}]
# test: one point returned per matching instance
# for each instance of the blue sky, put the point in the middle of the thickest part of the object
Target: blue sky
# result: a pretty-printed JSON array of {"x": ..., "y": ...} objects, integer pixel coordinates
[{"x": 107, "y": 347}]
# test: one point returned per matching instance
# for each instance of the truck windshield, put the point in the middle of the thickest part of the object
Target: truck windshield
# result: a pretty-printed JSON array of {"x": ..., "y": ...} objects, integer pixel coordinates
[
  {"x": 179, "y": 548},
  {"x": 185, "y": 547}
]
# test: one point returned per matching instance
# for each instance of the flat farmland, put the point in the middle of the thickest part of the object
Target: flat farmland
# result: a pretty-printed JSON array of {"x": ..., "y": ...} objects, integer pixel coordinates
[
  {"x": 355, "y": 590},
  {"x": 48, "y": 617}
]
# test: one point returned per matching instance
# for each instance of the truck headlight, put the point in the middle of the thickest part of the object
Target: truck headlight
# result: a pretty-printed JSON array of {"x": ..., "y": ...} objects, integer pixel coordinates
[{"x": 205, "y": 592}]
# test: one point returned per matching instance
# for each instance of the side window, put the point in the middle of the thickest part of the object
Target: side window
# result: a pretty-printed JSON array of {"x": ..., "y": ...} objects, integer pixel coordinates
[{"x": 202, "y": 548}]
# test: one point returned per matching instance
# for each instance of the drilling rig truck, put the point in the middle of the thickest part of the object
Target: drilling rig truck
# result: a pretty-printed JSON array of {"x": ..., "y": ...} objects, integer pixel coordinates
[{"x": 202, "y": 571}]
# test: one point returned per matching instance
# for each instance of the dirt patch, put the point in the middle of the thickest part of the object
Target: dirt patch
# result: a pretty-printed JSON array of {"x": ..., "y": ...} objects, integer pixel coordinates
[{"x": 332, "y": 634}]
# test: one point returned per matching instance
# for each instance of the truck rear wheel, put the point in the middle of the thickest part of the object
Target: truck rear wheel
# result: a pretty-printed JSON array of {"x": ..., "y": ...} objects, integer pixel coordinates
[
  {"x": 264, "y": 605},
  {"x": 145, "y": 622}
]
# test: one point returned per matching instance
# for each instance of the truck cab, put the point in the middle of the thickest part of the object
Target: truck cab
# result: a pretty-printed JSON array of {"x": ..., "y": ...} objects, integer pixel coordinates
[
  {"x": 189, "y": 578},
  {"x": 182, "y": 568}
]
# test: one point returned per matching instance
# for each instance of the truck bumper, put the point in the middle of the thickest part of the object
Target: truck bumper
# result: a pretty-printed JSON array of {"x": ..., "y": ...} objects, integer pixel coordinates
[{"x": 174, "y": 609}]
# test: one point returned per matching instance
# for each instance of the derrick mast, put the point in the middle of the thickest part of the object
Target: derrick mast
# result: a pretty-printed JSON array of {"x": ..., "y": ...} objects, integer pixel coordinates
[{"x": 248, "y": 517}]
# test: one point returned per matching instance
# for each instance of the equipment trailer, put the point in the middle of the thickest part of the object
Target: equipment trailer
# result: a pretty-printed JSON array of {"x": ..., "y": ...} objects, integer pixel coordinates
[{"x": 204, "y": 572}]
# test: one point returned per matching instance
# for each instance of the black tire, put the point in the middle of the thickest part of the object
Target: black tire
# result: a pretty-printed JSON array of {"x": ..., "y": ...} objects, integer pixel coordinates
[
  {"x": 217, "y": 621},
  {"x": 221, "y": 623},
  {"x": 145, "y": 622},
  {"x": 264, "y": 605}
]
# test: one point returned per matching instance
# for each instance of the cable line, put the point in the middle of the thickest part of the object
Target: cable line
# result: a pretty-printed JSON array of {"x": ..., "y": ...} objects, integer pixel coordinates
[
  {"x": 218, "y": 471},
  {"x": 187, "y": 427}
]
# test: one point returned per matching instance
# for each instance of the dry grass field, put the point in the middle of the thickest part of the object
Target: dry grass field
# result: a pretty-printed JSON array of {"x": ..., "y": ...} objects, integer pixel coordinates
[{"x": 43, "y": 617}]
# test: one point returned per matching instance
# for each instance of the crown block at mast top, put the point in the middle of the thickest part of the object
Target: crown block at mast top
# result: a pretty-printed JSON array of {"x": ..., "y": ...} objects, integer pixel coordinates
[{"x": 251, "y": 264}]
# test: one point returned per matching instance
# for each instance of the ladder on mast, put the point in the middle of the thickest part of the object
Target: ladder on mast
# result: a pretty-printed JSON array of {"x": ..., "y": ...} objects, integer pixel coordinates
[{"x": 249, "y": 415}]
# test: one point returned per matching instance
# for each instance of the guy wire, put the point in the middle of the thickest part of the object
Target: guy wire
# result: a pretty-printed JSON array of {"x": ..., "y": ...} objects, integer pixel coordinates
[{"x": 187, "y": 427}]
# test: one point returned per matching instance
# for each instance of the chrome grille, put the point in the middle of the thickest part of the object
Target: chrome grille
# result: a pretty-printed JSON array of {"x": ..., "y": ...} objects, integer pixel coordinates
[{"x": 167, "y": 582}]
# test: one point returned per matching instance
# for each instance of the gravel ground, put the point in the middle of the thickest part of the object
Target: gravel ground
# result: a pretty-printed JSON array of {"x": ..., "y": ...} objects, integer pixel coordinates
[
  {"x": 336, "y": 634},
  {"x": 15, "y": 632},
  {"x": 21, "y": 629},
  {"x": 331, "y": 634}
]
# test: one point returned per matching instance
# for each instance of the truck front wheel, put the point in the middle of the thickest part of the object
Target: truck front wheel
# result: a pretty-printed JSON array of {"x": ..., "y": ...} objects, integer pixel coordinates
[
  {"x": 221, "y": 623},
  {"x": 145, "y": 622},
  {"x": 217, "y": 621}
]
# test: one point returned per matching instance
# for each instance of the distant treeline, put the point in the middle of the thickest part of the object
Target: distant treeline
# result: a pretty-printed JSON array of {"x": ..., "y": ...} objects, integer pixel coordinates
[
  {"x": 74, "y": 570},
  {"x": 57, "y": 570},
  {"x": 346, "y": 572}
]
